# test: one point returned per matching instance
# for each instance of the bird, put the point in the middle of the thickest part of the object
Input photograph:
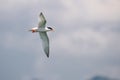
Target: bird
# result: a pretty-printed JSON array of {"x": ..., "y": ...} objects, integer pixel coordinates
[{"x": 42, "y": 30}]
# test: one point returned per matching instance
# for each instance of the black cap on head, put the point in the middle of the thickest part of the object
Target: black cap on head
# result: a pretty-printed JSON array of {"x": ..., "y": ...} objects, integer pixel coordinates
[{"x": 50, "y": 28}]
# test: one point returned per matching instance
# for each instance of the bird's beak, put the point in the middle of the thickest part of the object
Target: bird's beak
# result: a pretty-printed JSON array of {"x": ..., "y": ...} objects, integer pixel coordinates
[{"x": 53, "y": 30}]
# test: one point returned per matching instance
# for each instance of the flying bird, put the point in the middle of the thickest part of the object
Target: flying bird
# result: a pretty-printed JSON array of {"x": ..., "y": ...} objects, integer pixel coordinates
[{"x": 42, "y": 30}]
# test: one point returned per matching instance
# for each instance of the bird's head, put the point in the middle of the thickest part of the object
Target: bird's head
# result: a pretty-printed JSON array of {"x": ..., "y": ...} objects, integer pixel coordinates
[{"x": 50, "y": 29}]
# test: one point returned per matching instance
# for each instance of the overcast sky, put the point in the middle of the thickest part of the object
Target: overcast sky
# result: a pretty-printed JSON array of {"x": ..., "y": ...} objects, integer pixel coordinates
[{"x": 86, "y": 41}]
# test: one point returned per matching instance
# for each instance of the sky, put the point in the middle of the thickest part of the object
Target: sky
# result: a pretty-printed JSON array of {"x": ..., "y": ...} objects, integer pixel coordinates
[{"x": 85, "y": 44}]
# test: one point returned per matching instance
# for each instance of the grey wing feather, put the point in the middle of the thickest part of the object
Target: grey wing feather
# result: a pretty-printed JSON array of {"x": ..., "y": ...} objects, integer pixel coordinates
[
  {"x": 45, "y": 42},
  {"x": 42, "y": 22}
]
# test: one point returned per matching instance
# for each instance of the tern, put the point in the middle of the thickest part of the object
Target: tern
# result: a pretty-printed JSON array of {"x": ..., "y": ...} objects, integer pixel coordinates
[{"x": 42, "y": 30}]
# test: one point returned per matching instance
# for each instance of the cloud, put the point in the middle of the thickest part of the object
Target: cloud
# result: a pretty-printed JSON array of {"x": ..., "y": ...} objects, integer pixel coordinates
[
  {"x": 106, "y": 10},
  {"x": 90, "y": 11},
  {"x": 86, "y": 41},
  {"x": 6, "y": 4}
]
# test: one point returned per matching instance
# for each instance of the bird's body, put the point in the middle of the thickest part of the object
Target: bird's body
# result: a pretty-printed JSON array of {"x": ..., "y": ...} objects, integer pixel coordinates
[
  {"x": 36, "y": 29},
  {"x": 43, "y": 33}
]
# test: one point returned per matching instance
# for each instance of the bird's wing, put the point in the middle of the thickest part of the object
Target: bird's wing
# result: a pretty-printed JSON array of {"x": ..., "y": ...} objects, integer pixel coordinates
[
  {"x": 42, "y": 21},
  {"x": 45, "y": 42}
]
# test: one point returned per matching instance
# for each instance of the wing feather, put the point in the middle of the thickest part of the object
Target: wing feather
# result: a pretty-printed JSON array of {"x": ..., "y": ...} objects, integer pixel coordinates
[
  {"x": 45, "y": 42},
  {"x": 42, "y": 22}
]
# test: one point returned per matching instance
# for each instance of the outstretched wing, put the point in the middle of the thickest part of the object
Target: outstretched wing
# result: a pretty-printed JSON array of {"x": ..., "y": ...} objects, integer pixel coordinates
[
  {"x": 45, "y": 42},
  {"x": 42, "y": 21}
]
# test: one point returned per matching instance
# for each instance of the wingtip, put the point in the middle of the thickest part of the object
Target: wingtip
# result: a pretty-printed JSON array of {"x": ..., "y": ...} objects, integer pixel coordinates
[
  {"x": 47, "y": 55},
  {"x": 41, "y": 13}
]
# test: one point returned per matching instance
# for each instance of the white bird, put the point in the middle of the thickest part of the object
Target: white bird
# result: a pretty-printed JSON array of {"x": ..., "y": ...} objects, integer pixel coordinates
[{"x": 42, "y": 32}]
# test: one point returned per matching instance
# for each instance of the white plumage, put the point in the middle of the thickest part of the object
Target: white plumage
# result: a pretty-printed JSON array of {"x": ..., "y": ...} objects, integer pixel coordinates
[{"x": 43, "y": 33}]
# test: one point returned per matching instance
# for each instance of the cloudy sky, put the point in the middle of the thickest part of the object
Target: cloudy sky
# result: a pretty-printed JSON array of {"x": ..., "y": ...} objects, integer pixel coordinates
[{"x": 86, "y": 41}]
